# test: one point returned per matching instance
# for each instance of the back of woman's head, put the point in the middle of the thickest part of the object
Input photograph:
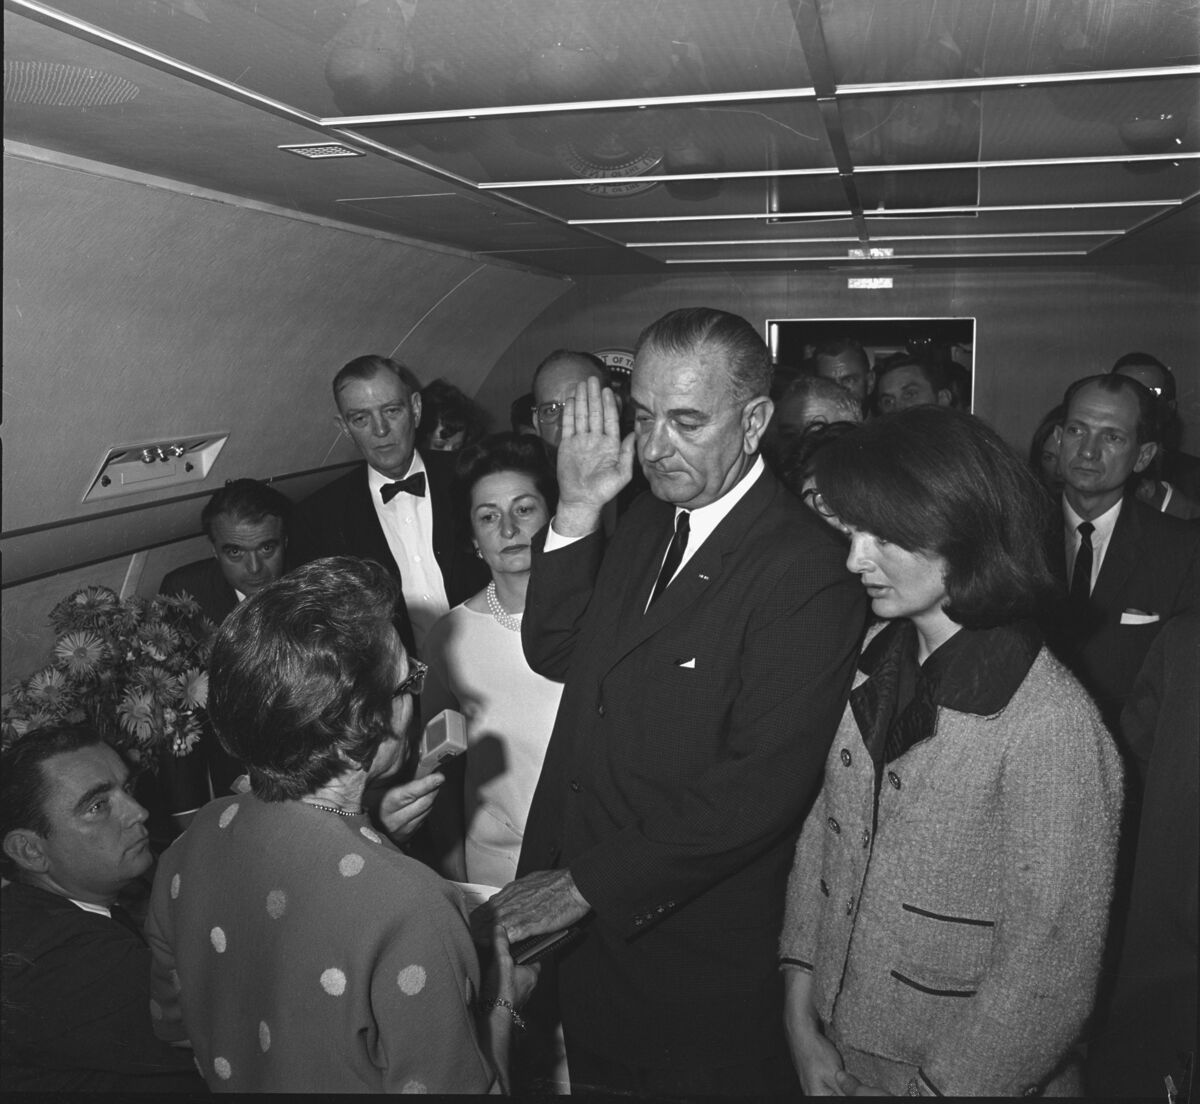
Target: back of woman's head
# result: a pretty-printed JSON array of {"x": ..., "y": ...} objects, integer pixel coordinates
[
  {"x": 503, "y": 452},
  {"x": 302, "y": 675},
  {"x": 938, "y": 481}
]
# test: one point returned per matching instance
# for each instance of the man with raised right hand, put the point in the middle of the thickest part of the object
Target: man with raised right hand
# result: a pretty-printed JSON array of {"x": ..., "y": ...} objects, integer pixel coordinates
[{"x": 707, "y": 653}]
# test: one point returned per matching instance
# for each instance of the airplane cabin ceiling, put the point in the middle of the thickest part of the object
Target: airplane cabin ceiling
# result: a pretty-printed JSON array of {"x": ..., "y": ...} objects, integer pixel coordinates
[{"x": 607, "y": 136}]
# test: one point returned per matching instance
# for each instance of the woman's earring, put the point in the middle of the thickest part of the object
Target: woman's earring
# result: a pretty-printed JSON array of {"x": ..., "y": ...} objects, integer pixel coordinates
[{"x": 478, "y": 553}]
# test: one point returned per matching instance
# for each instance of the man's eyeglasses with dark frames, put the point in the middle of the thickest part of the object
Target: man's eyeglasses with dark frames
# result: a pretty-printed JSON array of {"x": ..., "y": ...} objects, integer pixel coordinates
[{"x": 415, "y": 682}]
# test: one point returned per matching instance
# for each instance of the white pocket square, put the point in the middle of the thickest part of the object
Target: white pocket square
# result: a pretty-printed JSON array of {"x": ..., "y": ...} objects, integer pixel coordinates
[
  {"x": 689, "y": 663},
  {"x": 1136, "y": 617}
]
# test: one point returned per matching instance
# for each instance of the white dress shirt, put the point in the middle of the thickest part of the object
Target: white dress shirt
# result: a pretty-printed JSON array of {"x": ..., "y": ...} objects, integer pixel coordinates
[
  {"x": 701, "y": 524},
  {"x": 407, "y": 523},
  {"x": 1101, "y": 535}
]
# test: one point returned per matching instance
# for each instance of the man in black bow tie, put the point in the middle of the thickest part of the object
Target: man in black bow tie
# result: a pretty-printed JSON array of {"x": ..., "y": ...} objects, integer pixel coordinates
[{"x": 392, "y": 508}]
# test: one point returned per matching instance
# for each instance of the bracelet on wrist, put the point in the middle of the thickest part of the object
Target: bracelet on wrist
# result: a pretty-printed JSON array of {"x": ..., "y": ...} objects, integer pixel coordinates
[{"x": 507, "y": 1005}]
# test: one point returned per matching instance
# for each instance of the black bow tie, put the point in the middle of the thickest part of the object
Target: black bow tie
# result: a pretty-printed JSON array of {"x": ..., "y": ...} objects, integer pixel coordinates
[{"x": 413, "y": 485}]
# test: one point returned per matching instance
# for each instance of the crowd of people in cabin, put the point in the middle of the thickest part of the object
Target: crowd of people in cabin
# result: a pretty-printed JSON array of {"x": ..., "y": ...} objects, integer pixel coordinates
[{"x": 848, "y": 752}]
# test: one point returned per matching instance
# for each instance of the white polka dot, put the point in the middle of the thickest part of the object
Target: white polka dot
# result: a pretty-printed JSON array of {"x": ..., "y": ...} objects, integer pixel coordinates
[
  {"x": 351, "y": 864},
  {"x": 228, "y": 815},
  {"x": 414, "y": 1087},
  {"x": 223, "y": 1068},
  {"x": 333, "y": 981},
  {"x": 218, "y": 940},
  {"x": 156, "y": 1012},
  {"x": 276, "y": 903},
  {"x": 371, "y": 834},
  {"x": 411, "y": 980},
  {"x": 264, "y": 1036},
  {"x": 175, "y": 887}
]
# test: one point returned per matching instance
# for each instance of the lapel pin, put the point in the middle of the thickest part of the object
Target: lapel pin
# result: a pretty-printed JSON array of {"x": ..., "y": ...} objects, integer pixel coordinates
[{"x": 703, "y": 576}]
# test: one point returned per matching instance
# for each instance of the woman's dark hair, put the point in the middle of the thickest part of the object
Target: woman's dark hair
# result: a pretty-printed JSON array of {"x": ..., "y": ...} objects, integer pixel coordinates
[
  {"x": 502, "y": 452},
  {"x": 302, "y": 675},
  {"x": 798, "y": 461},
  {"x": 938, "y": 481},
  {"x": 24, "y": 785},
  {"x": 443, "y": 403}
]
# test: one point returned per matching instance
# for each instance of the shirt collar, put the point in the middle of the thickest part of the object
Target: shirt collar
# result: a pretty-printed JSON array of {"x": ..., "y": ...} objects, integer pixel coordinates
[
  {"x": 376, "y": 479},
  {"x": 1102, "y": 525},
  {"x": 90, "y": 906},
  {"x": 705, "y": 519}
]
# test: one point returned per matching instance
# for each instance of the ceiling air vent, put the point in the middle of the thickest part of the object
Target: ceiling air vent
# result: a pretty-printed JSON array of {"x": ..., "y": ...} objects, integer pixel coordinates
[
  {"x": 318, "y": 151},
  {"x": 54, "y": 85}
]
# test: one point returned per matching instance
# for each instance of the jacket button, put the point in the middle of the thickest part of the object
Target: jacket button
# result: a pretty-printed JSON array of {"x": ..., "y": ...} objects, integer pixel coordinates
[
  {"x": 600, "y": 709},
  {"x": 850, "y": 907},
  {"x": 845, "y": 757},
  {"x": 824, "y": 887},
  {"x": 575, "y": 786},
  {"x": 894, "y": 779},
  {"x": 866, "y": 836},
  {"x": 834, "y": 826}
]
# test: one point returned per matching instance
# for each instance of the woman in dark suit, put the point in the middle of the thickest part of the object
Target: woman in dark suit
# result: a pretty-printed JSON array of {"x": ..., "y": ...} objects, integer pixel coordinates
[{"x": 948, "y": 903}]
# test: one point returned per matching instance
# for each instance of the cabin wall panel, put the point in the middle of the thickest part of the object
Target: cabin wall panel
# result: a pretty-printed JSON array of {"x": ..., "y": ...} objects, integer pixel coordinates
[
  {"x": 136, "y": 313},
  {"x": 1036, "y": 329}
]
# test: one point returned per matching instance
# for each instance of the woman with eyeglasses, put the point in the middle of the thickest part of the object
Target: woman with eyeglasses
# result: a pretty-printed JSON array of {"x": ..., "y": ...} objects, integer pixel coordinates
[
  {"x": 295, "y": 946},
  {"x": 948, "y": 903}
]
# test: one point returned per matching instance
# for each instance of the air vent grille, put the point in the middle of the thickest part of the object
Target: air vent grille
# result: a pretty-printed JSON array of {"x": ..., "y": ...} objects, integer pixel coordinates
[
  {"x": 320, "y": 151},
  {"x": 52, "y": 84}
]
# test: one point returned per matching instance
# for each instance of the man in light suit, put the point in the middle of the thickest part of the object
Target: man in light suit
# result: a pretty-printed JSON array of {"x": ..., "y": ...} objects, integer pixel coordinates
[
  {"x": 1134, "y": 568},
  {"x": 391, "y": 508},
  {"x": 706, "y": 654}
]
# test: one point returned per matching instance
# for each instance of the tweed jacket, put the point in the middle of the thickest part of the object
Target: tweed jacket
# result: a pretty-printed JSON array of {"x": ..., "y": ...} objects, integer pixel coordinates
[{"x": 958, "y": 931}]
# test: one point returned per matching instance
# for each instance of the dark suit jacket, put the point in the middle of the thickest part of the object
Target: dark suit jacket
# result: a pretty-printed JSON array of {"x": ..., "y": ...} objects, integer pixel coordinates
[
  {"x": 204, "y": 582},
  {"x": 1151, "y": 1023},
  {"x": 340, "y": 520},
  {"x": 77, "y": 1003},
  {"x": 689, "y": 743},
  {"x": 1152, "y": 566}
]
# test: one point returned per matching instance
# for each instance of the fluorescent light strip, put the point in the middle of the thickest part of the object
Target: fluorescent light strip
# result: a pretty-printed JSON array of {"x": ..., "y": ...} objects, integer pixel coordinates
[
  {"x": 880, "y": 213},
  {"x": 1018, "y": 80},
  {"x": 1025, "y": 162},
  {"x": 762, "y": 96},
  {"x": 877, "y": 238},
  {"x": 573, "y": 106},
  {"x": 584, "y": 181},
  {"x": 931, "y": 166},
  {"x": 866, "y": 261},
  {"x": 895, "y": 212}
]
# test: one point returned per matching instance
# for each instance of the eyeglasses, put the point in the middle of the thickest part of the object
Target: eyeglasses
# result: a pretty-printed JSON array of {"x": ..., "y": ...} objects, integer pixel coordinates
[
  {"x": 549, "y": 412},
  {"x": 415, "y": 682},
  {"x": 814, "y": 501}
]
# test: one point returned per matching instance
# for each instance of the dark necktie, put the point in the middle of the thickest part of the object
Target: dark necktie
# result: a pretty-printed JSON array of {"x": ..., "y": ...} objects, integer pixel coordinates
[
  {"x": 1081, "y": 577},
  {"x": 126, "y": 921},
  {"x": 413, "y": 485},
  {"x": 674, "y": 556}
]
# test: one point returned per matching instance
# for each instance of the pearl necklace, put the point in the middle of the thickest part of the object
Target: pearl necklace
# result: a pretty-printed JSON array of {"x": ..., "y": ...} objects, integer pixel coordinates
[
  {"x": 333, "y": 809},
  {"x": 511, "y": 621}
]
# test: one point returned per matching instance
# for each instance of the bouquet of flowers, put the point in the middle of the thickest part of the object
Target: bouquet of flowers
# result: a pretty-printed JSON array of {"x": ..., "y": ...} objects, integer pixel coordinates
[{"x": 133, "y": 668}]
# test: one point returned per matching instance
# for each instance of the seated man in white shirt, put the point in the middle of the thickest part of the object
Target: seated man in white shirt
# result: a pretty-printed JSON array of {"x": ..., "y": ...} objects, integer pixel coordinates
[{"x": 77, "y": 1010}]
